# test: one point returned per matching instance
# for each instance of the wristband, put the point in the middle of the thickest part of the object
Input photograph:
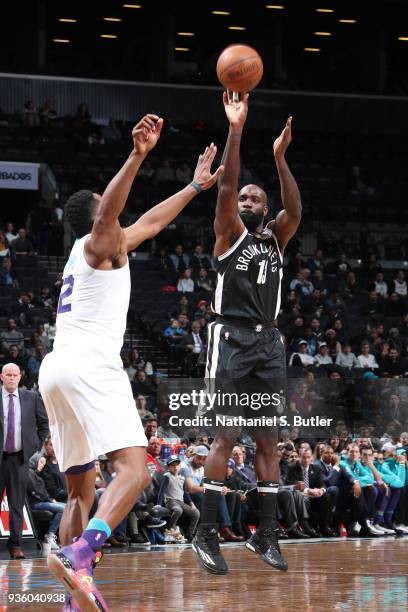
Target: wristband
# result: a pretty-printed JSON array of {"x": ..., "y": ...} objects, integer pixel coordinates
[{"x": 196, "y": 186}]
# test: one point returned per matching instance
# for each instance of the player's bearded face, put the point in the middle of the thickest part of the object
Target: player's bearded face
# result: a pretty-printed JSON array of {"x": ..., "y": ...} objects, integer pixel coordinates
[{"x": 252, "y": 219}]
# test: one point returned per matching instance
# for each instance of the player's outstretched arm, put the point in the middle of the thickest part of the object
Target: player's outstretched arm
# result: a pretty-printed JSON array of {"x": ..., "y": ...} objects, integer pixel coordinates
[
  {"x": 228, "y": 225},
  {"x": 106, "y": 236},
  {"x": 287, "y": 220},
  {"x": 156, "y": 219}
]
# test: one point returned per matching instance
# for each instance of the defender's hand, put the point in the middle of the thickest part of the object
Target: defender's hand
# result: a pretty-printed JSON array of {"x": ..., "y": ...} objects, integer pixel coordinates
[
  {"x": 202, "y": 173},
  {"x": 236, "y": 111},
  {"x": 146, "y": 133},
  {"x": 283, "y": 141}
]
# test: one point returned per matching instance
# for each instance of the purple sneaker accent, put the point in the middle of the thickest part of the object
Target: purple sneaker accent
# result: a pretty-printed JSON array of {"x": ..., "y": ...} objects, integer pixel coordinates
[{"x": 73, "y": 566}]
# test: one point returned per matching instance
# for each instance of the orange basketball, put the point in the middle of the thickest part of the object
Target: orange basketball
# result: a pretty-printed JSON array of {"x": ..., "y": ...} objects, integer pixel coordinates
[{"x": 239, "y": 68}]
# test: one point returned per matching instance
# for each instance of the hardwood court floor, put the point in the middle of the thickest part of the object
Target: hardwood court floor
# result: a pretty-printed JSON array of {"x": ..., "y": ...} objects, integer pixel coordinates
[{"x": 351, "y": 575}]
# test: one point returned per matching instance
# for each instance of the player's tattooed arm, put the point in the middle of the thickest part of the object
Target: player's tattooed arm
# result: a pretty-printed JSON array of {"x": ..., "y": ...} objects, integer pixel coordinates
[
  {"x": 287, "y": 221},
  {"x": 228, "y": 225},
  {"x": 156, "y": 219}
]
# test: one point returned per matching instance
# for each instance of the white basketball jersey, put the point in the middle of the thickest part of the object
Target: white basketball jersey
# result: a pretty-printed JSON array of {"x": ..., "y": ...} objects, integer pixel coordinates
[{"x": 93, "y": 305}]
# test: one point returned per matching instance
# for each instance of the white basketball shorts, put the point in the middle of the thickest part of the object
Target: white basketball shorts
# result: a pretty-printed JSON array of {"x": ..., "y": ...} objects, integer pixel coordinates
[{"x": 90, "y": 407}]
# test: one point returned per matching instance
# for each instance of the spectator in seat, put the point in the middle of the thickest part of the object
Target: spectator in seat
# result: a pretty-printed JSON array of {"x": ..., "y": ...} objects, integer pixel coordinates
[
  {"x": 204, "y": 282},
  {"x": 366, "y": 359},
  {"x": 199, "y": 260},
  {"x": 10, "y": 232},
  {"x": 173, "y": 333},
  {"x": 176, "y": 498},
  {"x": 141, "y": 385},
  {"x": 400, "y": 284},
  {"x": 350, "y": 288},
  {"x": 179, "y": 259},
  {"x": 301, "y": 356},
  {"x": 141, "y": 405},
  {"x": 322, "y": 357},
  {"x": 164, "y": 430},
  {"x": 329, "y": 464},
  {"x": 39, "y": 499},
  {"x": 245, "y": 472},
  {"x": 13, "y": 355},
  {"x": 150, "y": 428},
  {"x": 301, "y": 402},
  {"x": 21, "y": 309},
  {"x": 138, "y": 363},
  {"x": 373, "y": 307},
  {"x": 302, "y": 283},
  {"x": 21, "y": 245},
  {"x": 34, "y": 362},
  {"x": 308, "y": 478},
  {"x": 380, "y": 286},
  {"x": 395, "y": 410},
  {"x": 30, "y": 116},
  {"x": 319, "y": 281},
  {"x": 316, "y": 261},
  {"x": 347, "y": 359},
  {"x": 54, "y": 479},
  {"x": 194, "y": 474},
  {"x": 166, "y": 267},
  {"x": 186, "y": 283},
  {"x": 11, "y": 336},
  {"x": 394, "y": 306},
  {"x": 392, "y": 364},
  {"x": 192, "y": 345},
  {"x": 154, "y": 463}
]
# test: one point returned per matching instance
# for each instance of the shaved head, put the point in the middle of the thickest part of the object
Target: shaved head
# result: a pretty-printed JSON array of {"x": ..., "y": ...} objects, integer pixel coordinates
[{"x": 254, "y": 190}]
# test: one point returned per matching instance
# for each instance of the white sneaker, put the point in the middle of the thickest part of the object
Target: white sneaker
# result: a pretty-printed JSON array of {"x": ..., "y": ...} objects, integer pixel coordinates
[
  {"x": 51, "y": 538},
  {"x": 375, "y": 529},
  {"x": 402, "y": 528},
  {"x": 168, "y": 536},
  {"x": 178, "y": 536},
  {"x": 386, "y": 530}
]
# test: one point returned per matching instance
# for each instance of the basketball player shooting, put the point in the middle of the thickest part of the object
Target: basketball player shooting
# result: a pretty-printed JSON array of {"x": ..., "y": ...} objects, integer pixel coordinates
[
  {"x": 245, "y": 349},
  {"x": 86, "y": 392}
]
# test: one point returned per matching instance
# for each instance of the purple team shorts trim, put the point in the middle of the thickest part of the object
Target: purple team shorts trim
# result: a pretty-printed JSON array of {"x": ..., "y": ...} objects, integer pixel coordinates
[{"x": 80, "y": 469}]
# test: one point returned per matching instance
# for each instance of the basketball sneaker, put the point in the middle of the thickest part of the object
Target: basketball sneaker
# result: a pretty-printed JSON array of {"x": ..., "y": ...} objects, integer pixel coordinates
[
  {"x": 265, "y": 543},
  {"x": 207, "y": 547},
  {"x": 73, "y": 566}
]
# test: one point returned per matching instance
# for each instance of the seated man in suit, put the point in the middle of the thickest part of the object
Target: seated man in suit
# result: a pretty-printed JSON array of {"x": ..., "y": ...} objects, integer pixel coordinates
[
  {"x": 308, "y": 478},
  {"x": 332, "y": 473}
]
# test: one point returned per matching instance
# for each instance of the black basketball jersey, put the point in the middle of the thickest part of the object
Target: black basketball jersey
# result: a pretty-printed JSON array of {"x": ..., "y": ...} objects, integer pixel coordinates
[{"x": 249, "y": 279}]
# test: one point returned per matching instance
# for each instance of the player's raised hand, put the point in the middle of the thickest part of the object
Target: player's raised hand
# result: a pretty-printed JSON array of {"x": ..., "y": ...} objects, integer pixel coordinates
[
  {"x": 283, "y": 141},
  {"x": 146, "y": 133},
  {"x": 236, "y": 111},
  {"x": 202, "y": 173}
]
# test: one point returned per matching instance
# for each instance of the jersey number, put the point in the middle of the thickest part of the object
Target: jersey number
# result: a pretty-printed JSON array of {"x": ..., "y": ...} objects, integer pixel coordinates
[
  {"x": 64, "y": 305},
  {"x": 263, "y": 269}
]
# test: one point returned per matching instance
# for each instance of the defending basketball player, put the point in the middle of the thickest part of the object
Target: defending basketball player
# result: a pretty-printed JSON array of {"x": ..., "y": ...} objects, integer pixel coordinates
[
  {"x": 245, "y": 349},
  {"x": 85, "y": 389}
]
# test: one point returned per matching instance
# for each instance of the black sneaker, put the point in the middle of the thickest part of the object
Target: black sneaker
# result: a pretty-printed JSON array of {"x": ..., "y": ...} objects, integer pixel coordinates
[
  {"x": 207, "y": 547},
  {"x": 265, "y": 543}
]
